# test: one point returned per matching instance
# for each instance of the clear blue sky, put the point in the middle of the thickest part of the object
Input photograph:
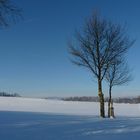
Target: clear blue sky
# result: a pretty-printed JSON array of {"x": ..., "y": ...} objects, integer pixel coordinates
[{"x": 33, "y": 53}]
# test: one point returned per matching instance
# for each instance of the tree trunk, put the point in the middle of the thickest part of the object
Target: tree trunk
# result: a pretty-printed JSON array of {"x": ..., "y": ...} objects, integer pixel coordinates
[
  {"x": 109, "y": 101},
  {"x": 101, "y": 99}
]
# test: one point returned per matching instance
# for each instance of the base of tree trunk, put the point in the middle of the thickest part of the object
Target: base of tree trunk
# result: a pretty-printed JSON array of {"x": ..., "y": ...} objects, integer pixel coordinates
[
  {"x": 102, "y": 111},
  {"x": 111, "y": 110}
]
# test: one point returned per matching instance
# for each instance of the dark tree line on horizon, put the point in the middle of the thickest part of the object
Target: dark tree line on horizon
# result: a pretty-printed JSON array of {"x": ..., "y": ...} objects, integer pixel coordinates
[
  {"x": 5, "y": 94},
  {"x": 131, "y": 100}
]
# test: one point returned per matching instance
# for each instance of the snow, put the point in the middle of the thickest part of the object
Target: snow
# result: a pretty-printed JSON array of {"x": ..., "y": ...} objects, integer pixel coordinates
[
  {"x": 41, "y": 119},
  {"x": 38, "y": 126},
  {"x": 63, "y": 107}
]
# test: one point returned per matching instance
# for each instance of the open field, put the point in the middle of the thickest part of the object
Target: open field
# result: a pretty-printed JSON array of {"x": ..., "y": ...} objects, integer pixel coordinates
[
  {"x": 38, "y": 126},
  {"x": 40, "y": 119},
  {"x": 63, "y": 107}
]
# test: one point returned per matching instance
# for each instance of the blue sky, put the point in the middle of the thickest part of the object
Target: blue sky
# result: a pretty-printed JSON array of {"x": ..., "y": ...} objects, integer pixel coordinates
[{"x": 34, "y": 60}]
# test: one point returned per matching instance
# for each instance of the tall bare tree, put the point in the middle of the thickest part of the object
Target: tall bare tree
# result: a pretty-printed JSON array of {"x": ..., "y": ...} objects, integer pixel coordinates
[
  {"x": 9, "y": 13},
  {"x": 96, "y": 47},
  {"x": 117, "y": 74}
]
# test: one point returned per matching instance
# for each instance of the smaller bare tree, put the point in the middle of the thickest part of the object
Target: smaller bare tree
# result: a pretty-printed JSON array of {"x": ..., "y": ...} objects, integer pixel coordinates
[{"x": 117, "y": 74}]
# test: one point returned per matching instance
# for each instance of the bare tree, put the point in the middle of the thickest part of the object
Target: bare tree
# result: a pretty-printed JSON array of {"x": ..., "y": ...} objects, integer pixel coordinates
[
  {"x": 8, "y": 13},
  {"x": 96, "y": 47},
  {"x": 117, "y": 74}
]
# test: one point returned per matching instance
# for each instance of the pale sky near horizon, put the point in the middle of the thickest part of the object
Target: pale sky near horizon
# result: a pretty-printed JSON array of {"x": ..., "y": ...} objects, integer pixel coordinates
[{"x": 34, "y": 60}]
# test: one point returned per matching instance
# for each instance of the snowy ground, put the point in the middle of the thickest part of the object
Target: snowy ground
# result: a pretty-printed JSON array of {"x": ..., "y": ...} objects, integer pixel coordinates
[
  {"x": 38, "y": 126},
  {"x": 63, "y": 107},
  {"x": 39, "y": 119}
]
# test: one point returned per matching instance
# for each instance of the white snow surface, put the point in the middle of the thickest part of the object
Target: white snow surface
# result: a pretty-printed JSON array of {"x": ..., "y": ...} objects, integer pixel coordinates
[
  {"x": 41, "y": 119},
  {"x": 64, "y": 107}
]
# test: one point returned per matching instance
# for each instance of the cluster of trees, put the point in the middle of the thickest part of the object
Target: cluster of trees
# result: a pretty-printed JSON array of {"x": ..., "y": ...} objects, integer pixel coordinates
[
  {"x": 134, "y": 100},
  {"x": 101, "y": 48},
  {"x": 5, "y": 94},
  {"x": 83, "y": 98},
  {"x": 131, "y": 100}
]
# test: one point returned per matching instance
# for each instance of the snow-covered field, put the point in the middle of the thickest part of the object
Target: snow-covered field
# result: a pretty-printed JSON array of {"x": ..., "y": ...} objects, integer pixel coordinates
[
  {"x": 63, "y": 107},
  {"x": 40, "y": 119}
]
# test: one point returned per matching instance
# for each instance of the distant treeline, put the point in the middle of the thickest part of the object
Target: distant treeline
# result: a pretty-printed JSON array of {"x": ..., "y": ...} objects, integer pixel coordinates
[
  {"x": 5, "y": 94},
  {"x": 96, "y": 99},
  {"x": 83, "y": 98}
]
